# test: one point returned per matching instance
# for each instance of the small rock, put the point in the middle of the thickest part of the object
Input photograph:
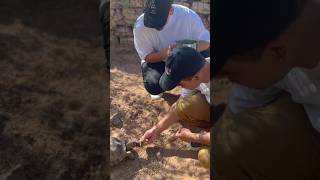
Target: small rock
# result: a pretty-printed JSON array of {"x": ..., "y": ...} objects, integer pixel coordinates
[
  {"x": 115, "y": 120},
  {"x": 158, "y": 156},
  {"x": 15, "y": 173}
]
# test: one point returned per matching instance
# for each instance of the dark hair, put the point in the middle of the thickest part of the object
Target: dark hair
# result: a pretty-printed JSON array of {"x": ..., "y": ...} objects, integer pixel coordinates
[
  {"x": 256, "y": 53},
  {"x": 246, "y": 27},
  {"x": 188, "y": 78}
]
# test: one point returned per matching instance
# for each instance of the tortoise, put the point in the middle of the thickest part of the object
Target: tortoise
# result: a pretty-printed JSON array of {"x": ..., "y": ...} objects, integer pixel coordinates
[{"x": 121, "y": 149}]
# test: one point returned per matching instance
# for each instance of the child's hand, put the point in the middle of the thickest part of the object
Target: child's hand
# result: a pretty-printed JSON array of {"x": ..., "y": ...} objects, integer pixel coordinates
[
  {"x": 186, "y": 135},
  {"x": 150, "y": 135}
]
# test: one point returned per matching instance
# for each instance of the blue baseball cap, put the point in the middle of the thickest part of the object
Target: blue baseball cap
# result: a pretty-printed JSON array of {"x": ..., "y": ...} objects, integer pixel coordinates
[{"x": 183, "y": 63}]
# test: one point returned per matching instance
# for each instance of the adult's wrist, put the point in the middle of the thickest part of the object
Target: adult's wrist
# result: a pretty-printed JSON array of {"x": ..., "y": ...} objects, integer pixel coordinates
[{"x": 164, "y": 54}]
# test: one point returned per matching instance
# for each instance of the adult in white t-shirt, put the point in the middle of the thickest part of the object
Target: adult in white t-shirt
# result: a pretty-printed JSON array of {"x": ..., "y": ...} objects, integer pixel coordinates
[{"x": 157, "y": 30}]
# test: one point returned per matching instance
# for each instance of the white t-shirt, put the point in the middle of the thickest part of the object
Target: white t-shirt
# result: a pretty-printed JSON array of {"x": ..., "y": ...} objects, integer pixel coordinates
[
  {"x": 302, "y": 84},
  {"x": 183, "y": 24},
  {"x": 204, "y": 88}
]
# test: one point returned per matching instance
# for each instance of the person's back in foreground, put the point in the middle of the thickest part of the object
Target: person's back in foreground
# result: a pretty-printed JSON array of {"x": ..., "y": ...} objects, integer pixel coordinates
[{"x": 271, "y": 130}]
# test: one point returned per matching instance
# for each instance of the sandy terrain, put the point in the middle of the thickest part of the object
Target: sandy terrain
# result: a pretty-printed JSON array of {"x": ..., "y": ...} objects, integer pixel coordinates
[
  {"x": 52, "y": 90},
  {"x": 167, "y": 158}
]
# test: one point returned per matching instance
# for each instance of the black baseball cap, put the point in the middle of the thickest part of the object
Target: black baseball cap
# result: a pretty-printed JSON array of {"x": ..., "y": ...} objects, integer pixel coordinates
[
  {"x": 156, "y": 13},
  {"x": 242, "y": 25},
  {"x": 183, "y": 63}
]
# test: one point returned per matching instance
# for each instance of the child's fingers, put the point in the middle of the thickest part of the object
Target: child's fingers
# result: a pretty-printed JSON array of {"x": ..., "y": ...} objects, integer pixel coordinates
[{"x": 178, "y": 134}]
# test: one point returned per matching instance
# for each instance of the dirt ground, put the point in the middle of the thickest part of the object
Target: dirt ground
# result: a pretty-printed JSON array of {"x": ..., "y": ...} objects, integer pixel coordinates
[
  {"x": 167, "y": 158},
  {"x": 52, "y": 90}
]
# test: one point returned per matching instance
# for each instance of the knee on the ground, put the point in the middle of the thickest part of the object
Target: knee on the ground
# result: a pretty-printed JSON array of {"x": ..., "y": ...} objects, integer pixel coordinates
[
  {"x": 153, "y": 88},
  {"x": 204, "y": 157}
]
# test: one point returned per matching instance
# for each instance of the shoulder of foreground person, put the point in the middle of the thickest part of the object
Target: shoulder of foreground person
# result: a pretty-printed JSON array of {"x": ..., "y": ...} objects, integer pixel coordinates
[{"x": 243, "y": 98}]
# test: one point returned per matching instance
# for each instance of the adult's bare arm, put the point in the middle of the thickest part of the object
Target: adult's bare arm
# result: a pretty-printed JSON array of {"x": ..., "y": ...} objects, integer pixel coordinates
[
  {"x": 157, "y": 56},
  {"x": 160, "y": 56},
  {"x": 203, "y": 45}
]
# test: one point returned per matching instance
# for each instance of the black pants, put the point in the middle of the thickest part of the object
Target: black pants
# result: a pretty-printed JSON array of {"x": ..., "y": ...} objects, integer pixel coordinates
[{"x": 151, "y": 73}]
